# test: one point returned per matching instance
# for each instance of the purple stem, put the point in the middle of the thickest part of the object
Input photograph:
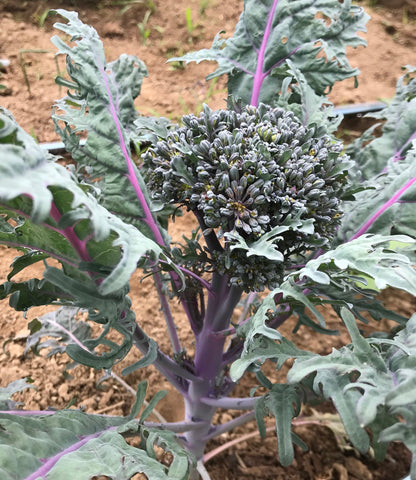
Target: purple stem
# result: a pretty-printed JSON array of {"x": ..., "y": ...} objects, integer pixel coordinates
[
  {"x": 208, "y": 360},
  {"x": 170, "y": 322},
  {"x": 397, "y": 154},
  {"x": 176, "y": 427},
  {"x": 247, "y": 304},
  {"x": 161, "y": 363},
  {"x": 203, "y": 282},
  {"x": 131, "y": 175},
  {"x": 260, "y": 75},
  {"x": 148, "y": 217},
  {"x": 218, "y": 430},
  {"x": 69, "y": 233},
  {"x": 177, "y": 375},
  {"x": 46, "y": 225},
  {"x": 239, "y": 66},
  {"x": 70, "y": 335},
  {"x": 381, "y": 210},
  {"x": 281, "y": 61},
  {"x": 230, "y": 403}
]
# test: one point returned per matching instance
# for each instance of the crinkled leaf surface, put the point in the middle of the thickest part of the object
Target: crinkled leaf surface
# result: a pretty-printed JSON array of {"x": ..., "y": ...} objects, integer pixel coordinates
[
  {"x": 101, "y": 105},
  {"x": 385, "y": 170},
  {"x": 52, "y": 213},
  {"x": 45, "y": 209},
  {"x": 387, "y": 260},
  {"x": 262, "y": 349},
  {"x": 386, "y": 206},
  {"x": 380, "y": 375},
  {"x": 398, "y": 131},
  {"x": 111, "y": 311},
  {"x": 313, "y": 35},
  {"x": 299, "y": 97},
  {"x": 70, "y": 444},
  {"x": 365, "y": 265},
  {"x": 55, "y": 330}
]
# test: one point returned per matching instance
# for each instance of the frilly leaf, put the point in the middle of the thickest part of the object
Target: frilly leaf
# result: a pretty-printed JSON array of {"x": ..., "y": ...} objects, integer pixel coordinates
[
  {"x": 55, "y": 330},
  {"x": 6, "y": 393},
  {"x": 299, "y": 97},
  {"x": 398, "y": 131},
  {"x": 282, "y": 401},
  {"x": 371, "y": 381},
  {"x": 381, "y": 260},
  {"x": 264, "y": 39},
  {"x": 386, "y": 205},
  {"x": 52, "y": 213},
  {"x": 385, "y": 170},
  {"x": 265, "y": 246},
  {"x": 101, "y": 104}
]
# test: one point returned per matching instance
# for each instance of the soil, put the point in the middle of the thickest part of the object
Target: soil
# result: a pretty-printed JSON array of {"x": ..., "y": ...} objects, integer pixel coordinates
[{"x": 171, "y": 91}]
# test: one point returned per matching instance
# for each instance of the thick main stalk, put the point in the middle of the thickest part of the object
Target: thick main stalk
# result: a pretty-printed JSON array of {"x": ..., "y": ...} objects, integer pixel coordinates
[{"x": 209, "y": 352}]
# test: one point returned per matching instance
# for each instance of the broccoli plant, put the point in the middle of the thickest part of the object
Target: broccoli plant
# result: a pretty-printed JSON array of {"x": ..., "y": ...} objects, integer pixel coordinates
[{"x": 285, "y": 222}]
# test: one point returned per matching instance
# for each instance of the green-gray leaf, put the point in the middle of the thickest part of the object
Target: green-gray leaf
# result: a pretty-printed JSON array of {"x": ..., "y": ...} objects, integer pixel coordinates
[
  {"x": 299, "y": 32},
  {"x": 70, "y": 444},
  {"x": 102, "y": 105}
]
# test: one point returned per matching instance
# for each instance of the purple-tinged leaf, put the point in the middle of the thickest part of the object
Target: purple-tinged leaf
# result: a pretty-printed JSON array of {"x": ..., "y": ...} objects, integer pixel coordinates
[
  {"x": 313, "y": 35},
  {"x": 44, "y": 208},
  {"x": 102, "y": 106},
  {"x": 70, "y": 444}
]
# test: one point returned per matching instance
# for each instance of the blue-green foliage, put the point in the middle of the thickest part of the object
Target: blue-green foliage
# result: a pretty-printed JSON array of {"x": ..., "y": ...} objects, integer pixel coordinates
[
  {"x": 78, "y": 445},
  {"x": 312, "y": 35},
  {"x": 99, "y": 221}
]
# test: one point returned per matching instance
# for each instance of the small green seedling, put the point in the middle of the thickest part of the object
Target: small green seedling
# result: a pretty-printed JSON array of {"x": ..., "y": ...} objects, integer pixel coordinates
[
  {"x": 143, "y": 28},
  {"x": 23, "y": 64}
]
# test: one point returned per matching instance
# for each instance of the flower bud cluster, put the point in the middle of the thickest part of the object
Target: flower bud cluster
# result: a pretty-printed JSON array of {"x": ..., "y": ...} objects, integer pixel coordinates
[{"x": 246, "y": 172}]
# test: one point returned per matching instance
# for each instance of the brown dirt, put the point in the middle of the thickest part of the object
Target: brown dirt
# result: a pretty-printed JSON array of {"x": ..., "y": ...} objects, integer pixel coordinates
[{"x": 171, "y": 92}]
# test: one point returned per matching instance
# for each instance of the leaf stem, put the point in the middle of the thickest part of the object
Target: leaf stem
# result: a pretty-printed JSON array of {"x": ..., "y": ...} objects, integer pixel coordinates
[
  {"x": 260, "y": 75},
  {"x": 175, "y": 427},
  {"x": 234, "y": 423},
  {"x": 398, "y": 154},
  {"x": 43, "y": 471},
  {"x": 186, "y": 271},
  {"x": 167, "y": 313},
  {"x": 174, "y": 373},
  {"x": 148, "y": 218},
  {"x": 69, "y": 233},
  {"x": 381, "y": 210},
  {"x": 30, "y": 247},
  {"x": 246, "y": 403}
]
